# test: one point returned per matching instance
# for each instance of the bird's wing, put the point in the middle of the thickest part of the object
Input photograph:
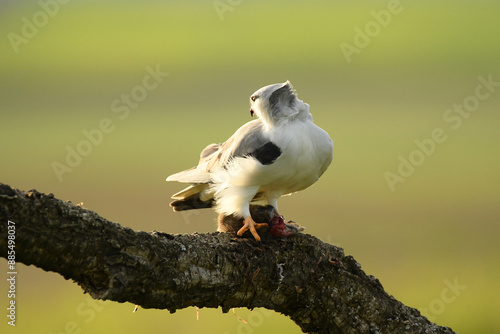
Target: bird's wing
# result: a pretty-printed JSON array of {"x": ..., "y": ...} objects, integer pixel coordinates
[
  {"x": 194, "y": 175},
  {"x": 198, "y": 174},
  {"x": 250, "y": 139},
  {"x": 245, "y": 141}
]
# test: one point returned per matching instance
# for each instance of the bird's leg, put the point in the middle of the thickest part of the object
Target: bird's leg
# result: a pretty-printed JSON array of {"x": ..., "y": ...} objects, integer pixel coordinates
[{"x": 249, "y": 224}]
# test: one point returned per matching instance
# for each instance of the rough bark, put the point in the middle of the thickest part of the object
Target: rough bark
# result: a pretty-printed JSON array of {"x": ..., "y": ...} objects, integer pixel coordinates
[{"x": 315, "y": 284}]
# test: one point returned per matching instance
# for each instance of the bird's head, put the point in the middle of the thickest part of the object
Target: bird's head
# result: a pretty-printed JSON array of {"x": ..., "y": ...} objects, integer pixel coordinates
[{"x": 278, "y": 102}]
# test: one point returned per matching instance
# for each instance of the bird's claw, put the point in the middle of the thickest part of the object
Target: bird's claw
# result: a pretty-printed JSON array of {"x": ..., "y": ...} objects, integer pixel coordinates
[{"x": 249, "y": 224}]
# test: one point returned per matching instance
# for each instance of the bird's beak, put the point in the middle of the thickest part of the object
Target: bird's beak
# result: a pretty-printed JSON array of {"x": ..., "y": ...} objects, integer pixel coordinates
[{"x": 251, "y": 112}]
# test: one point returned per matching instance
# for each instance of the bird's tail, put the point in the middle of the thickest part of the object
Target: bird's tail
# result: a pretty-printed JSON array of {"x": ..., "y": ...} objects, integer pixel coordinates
[
  {"x": 191, "y": 203},
  {"x": 191, "y": 198}
]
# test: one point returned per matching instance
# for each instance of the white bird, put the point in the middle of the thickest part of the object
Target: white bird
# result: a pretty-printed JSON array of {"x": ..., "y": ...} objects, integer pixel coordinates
[{"x": 279, "y": 153}]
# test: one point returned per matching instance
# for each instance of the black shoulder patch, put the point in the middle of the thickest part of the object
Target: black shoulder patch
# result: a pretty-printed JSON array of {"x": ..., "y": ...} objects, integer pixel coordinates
[{"x": 266, "y": 154}]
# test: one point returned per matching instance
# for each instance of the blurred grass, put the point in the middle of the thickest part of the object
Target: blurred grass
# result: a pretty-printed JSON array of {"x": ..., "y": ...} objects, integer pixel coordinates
[{"x": 442, "y": 223}]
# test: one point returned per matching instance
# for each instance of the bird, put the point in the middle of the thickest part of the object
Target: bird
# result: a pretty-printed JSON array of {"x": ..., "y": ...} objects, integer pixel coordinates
[{"x": 280, "y": 152}]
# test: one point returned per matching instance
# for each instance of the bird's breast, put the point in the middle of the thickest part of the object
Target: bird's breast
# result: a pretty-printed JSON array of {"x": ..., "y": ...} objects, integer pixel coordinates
[{"x": 306, "y": 149}]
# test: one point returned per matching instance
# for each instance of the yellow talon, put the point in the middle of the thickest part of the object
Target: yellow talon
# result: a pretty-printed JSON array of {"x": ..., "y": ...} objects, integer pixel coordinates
[{"x": 249, "y": 224}]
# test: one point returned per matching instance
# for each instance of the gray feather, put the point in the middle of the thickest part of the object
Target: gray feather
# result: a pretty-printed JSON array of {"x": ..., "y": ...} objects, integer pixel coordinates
[
  {"x": 243, "y": 142},
  {"x": 282, "y": 99}
]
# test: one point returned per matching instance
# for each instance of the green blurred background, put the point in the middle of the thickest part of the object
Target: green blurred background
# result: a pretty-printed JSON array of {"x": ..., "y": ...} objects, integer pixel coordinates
[{"x": 439, "y": 227}]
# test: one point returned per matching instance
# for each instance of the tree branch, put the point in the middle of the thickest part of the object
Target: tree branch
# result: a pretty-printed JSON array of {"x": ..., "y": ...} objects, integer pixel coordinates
[{"x": 315, "y": 284}]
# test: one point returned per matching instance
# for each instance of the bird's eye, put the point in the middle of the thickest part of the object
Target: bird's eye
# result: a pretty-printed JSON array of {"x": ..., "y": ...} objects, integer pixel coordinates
[{"x": 253, "y": 98}]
